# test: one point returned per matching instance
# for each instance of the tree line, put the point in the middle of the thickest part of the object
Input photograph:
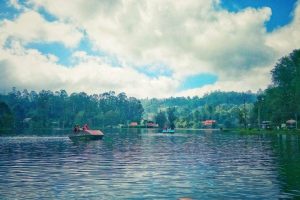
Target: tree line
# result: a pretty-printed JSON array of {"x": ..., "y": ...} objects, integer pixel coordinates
[
  {"x": 229, "y": 109},
  {"x": 47, "y": 109},
  {"x": 281, "y": 100}
]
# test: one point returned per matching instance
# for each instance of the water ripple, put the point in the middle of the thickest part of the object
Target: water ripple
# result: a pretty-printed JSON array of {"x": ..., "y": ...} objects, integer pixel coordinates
[{"x": 149, "y": 165}]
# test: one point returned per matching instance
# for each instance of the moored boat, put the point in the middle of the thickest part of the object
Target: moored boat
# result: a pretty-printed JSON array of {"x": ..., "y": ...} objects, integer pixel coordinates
[
  {"x": 168, "y": 130},
  {"x": 87, "y": 135}
]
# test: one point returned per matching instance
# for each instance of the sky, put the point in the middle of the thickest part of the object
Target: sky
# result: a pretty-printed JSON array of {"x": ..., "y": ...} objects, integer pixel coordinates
[{"x": 145, "y": 48}]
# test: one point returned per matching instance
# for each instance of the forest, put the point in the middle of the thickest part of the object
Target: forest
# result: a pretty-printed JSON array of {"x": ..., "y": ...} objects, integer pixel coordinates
[
  {"x": 281, "y": 100},
  {"x": 47, "y": 109},
  {"x": 229, "y": 109}
]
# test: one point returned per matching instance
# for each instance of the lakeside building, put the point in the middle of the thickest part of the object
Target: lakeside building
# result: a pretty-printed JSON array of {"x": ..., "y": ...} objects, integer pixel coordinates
[
  {"x": 151, "y": 124},
  {"x": 133, "y": 124},
  {"x": 291, "y": 124},
  {"x": 209, "y": 123}
]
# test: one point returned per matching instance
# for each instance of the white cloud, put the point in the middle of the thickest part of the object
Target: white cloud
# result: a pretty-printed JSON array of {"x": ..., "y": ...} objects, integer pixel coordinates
[
  {"x": 28, "y": 68},
  {"x": 30, "y": 26},
  {"x": 252, "y": 80},
  {"x": 286, "y": 39},
  {"x": 190, "y": 37}
]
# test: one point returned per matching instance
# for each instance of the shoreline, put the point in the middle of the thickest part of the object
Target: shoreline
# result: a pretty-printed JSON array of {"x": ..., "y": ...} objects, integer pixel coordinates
[
  {"x": 224, "y": 131},
  {"x": 263, "y": 131}
]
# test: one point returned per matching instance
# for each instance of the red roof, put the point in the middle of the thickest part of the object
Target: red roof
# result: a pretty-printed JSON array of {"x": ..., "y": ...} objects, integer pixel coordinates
[
  {"x": 208, "y": 122},
  {"x": 133, "y": 124}
]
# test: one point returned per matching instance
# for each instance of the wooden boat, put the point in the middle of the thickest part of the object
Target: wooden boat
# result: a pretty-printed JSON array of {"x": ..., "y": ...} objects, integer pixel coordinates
[
  {"x": 168, "y": 130},
  {"x": 87, "y": 135}
]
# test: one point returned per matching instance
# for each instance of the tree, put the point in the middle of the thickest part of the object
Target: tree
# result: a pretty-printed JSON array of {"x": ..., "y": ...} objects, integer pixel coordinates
[
  {"x": 6, "y": 116},
  {"x": 161, "y": 119},
  {"x": 111, "y": 118},
  {"x": 281, "y": 99},
  {"x": 285, "y": 77},
  {"x": 47, "y": 108},
  {"x": 171, "y": 117}
]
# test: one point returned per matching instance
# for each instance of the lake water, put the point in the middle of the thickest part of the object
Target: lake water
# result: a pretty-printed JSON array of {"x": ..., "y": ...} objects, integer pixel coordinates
[{"x": 144, "y": 164}]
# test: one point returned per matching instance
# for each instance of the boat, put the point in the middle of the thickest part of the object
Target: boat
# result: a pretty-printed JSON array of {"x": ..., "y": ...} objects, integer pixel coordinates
[
  {"x": 168, "y": 130},
  {"x": 87, "y": 135}
]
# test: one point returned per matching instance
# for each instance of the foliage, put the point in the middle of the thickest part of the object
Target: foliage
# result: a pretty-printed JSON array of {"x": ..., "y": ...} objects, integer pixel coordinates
[
  {"x": 171, "y": 117},
  {"x": 6, "y": 117},
  {"x": 229, "y": 109},
  {"x": 280, "y": 102},
  {"x": 58, "y": 109},
  {"x": 161, "y": 119}
]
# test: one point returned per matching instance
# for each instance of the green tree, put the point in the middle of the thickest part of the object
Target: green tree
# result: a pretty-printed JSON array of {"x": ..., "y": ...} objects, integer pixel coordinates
[
  {"x": 47, "y": 108},
  {"x": 171, "y": 117},
  {"x": 6, "y": 116},
  {"x": 280, "y": 101},
  {"x": 161, "y": 119}
]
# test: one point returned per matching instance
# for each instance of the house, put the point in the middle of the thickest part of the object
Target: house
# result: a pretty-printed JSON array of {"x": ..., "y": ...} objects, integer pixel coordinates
[
  {"x": 151, "y": 124},
  {"x": 291, "y": 124},
  {"x": 209, "y": 123},
  {"x": 266, "y": 125},
  {"x": 133, "y": 124}
]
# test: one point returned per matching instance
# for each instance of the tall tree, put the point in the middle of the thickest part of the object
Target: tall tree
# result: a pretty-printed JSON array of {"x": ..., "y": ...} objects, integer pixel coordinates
[
  {"x": 171, "y": 117},
  {"x": 48, "y": 108},
  {"x": 161, "y": 119},
  {"x": 280, "y": 102},
  {"x": 285, "y": 77},
  {"x": 6, "y": 116}
]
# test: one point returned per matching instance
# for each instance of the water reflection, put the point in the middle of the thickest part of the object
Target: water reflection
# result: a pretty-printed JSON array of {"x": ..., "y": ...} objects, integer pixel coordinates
[
  {"x": 144, "y": 164},
  {"x": 287, "y": 148}
]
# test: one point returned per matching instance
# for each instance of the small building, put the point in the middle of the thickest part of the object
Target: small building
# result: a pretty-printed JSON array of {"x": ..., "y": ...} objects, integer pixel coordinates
[
  {"x": 291, "y": 124},
  {"x": 209, "y": 123},
  {"x": 151, "y": 124},
  {"x": 266, "y": 125},
  {"x": 133, "y": 124}
]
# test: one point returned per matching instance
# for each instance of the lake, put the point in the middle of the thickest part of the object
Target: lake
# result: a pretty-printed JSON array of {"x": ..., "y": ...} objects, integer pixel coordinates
[{"x": 144, "y": 164}]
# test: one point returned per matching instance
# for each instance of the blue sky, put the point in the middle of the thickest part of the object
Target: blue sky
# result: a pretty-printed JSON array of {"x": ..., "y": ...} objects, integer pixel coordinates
[
  {"x": 6, "y": 11},
  {"x": 282, "y": 10},
  {"x": 140, "y": 49},
  {"x": 64, "y": 54},
  {"x": 198, "y": 80}
]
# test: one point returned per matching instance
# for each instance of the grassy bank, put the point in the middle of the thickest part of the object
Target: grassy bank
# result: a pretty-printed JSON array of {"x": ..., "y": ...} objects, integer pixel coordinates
[{"x": 260, "y": 131}]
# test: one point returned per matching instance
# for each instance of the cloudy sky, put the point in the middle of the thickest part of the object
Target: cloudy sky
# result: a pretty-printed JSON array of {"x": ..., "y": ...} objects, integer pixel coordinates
[{"x": 146, "y": 48}]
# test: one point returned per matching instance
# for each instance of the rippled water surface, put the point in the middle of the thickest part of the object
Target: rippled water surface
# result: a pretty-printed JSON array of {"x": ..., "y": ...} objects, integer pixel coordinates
[{"x": 144, "y": 164}]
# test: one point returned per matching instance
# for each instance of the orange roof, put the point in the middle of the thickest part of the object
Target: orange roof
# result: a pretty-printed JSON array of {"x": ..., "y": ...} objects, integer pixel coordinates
[
  {"x": 133, "y": 124},
  {"x": 209, "y": 122}
]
